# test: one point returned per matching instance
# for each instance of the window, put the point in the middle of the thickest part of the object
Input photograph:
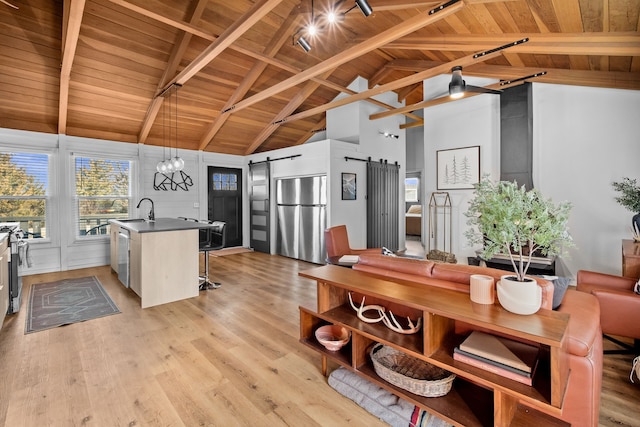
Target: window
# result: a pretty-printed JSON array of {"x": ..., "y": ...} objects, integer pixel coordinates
[
  {"x": 102, "y": 189},
  {"x": 225, "y": 181},
  {"x": 24, "y": 191},
  {"x": 411, "y": 187}
]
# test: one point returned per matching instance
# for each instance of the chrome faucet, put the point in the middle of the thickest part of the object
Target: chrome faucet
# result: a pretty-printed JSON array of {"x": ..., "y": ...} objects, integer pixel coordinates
[{"x": 152, "y": 215}]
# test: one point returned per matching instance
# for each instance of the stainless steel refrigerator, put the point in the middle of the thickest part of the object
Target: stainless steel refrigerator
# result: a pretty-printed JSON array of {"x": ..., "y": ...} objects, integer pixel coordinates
[{"x": 302, "y": 218}]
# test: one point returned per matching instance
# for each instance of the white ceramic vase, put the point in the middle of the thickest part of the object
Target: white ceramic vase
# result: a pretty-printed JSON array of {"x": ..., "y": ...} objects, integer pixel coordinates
[{"x": 519, "y": 297}]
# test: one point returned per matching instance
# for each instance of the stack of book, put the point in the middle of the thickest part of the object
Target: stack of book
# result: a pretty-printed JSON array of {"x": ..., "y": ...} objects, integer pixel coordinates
[{"x": 511, "y": 359}]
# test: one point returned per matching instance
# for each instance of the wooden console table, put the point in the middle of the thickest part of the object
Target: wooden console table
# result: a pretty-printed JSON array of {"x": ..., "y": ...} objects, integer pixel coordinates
[
  {"x": 478, "y": 397},
  {"x": 631, "y": 259}
]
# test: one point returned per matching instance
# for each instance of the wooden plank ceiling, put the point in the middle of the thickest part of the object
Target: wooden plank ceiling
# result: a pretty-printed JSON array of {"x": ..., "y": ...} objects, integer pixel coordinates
[{"x": 235, "y": 82}]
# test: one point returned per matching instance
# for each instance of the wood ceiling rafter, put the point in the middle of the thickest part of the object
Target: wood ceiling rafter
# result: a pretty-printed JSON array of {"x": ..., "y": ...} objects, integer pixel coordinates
[
  {"x": 179, "y": 48},
  {"x": 291, "y": 106},
  {"x": 397, "y": 84},
  {"x": 605, "y": 44},
  {"x": 272, "y": 48},
  {"x": 190, "y": 28},
  {"x": 385, "y": 5},
  {"x": 415, "y": 124},
  {"x": 320, "y": 126},
  {"x": 437, "y": 101},
  {"x": 373, "y": 43},
  {"x": 72, "y": 20},
  {"x": 226, "y": 39}
]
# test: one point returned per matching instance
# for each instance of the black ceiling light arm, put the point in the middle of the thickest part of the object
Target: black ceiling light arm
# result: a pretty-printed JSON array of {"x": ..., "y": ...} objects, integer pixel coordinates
[
  {"x": 508, "y": 82},
  {"x": 486, "y": 52}
]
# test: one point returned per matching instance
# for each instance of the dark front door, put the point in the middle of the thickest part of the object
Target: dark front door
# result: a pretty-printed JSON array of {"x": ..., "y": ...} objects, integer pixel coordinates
[{"x": 225, "y": 201}]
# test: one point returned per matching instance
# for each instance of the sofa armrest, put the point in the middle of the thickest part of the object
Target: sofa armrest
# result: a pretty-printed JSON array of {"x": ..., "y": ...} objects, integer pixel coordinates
[
  {"x": 620, "y": 312},
  {"x": 584, "y": 323},
  {"x": 588, "y": 280}
]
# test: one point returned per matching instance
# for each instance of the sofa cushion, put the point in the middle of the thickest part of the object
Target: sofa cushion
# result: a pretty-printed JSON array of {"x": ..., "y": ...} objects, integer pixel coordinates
[{"x": 398, "y": 264}]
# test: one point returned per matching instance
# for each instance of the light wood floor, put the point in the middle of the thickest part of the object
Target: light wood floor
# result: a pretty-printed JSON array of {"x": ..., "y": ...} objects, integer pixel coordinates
[{"x": 227, "y": 357}]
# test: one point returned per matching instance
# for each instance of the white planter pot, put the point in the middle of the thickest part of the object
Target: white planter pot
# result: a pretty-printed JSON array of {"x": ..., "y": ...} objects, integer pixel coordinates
[{"x": 519, "y": 297}]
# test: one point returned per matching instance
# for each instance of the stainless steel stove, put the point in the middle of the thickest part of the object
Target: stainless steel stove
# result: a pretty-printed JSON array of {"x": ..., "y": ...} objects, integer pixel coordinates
[{"x": 15, "y": 281}]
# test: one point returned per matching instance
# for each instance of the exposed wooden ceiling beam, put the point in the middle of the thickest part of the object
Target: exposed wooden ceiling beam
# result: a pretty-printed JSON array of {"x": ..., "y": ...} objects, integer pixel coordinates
[
  {"x": 607, "y": 44},
  {"x": 179, "y": 48},
  {"x": 381, "y": 39},
  {"x": 72, "y": 18},
  {"x": 291, "y": 106},
  {"x": 230, "y": 35},
  {"x": 415, "y": 124},
  {"x": 611, "y": 79},
  {"x": 400, "y": 83},
  {"x": 190, "y": 28},
  {"x": 437, "y": 101},
  {"x": 274, "y": 45},
  {"x": 322, "y": 124},
  {"x": 381, "y": 5}
]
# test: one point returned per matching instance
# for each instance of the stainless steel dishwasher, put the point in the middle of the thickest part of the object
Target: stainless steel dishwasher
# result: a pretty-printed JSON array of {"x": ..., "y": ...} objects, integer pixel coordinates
[{"x": 123, "y": 256}]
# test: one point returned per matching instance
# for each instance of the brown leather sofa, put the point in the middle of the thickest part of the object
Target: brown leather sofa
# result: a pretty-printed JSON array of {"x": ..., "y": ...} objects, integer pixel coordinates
[
  {"x": 619, "y": 305},
  {"x": 582, "y": 399}
]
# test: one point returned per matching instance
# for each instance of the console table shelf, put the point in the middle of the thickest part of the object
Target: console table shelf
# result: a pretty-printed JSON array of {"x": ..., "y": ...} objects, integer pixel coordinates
[{"x": 478, "y": 397}]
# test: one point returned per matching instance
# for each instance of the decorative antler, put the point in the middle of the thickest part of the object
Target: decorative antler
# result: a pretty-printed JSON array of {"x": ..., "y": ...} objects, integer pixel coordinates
[
  {"x": 395, "y": 326},
  {"x": 389, "y": 321},
  {"x": 9, "y": 4},
  {"x": 363, "y": 308}
]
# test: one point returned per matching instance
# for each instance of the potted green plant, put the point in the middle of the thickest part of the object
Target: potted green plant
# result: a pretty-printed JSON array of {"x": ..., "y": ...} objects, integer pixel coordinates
[
  {"x": 630, "y": 198},
  {"x": 517, "y": 223}
]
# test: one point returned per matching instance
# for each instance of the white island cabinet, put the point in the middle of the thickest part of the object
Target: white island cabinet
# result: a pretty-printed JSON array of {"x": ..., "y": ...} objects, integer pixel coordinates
[{"x": 163, "y": 260}]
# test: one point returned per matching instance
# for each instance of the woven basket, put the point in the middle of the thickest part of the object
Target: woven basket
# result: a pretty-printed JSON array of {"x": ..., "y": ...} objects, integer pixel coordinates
[
  {"x": 410, "y": 373},
  {"x": 437, "y": 255}
]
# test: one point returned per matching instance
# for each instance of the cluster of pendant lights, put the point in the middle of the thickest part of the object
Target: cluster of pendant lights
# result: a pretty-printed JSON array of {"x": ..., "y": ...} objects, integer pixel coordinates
[
  {"x": 331, "y": 17},
  {"x": 175, "y": 163}
]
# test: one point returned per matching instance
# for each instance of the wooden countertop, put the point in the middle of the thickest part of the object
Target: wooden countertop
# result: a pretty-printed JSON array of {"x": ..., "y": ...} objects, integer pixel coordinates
[{"x": 546, "y": 326}]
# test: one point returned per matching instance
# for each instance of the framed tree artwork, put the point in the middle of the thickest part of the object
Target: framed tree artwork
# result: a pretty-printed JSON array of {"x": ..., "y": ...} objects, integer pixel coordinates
[
  {"x": 458, "y": 168},
  {"x": 348, "y": 186}
]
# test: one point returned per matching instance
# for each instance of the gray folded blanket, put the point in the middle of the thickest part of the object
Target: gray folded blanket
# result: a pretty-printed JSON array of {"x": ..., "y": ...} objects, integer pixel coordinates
[{"x": 388, "y": 407}]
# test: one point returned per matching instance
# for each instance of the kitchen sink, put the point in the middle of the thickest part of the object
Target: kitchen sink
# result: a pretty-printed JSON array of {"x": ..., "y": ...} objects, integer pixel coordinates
[{"x": 132, "y": 220}]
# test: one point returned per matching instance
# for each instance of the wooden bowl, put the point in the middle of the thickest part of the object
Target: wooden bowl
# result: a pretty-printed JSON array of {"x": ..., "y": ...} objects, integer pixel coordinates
[{"x": 332, "y": 337}]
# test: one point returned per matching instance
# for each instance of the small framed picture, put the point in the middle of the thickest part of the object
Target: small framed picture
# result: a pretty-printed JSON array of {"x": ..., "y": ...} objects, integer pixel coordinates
[
  {"x": 458, "y": 168},
  {"x": 348, "y": 186}
]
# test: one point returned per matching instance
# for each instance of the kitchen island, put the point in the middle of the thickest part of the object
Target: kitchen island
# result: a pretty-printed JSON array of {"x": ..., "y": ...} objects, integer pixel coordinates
[{"x": 162, "y": 258}]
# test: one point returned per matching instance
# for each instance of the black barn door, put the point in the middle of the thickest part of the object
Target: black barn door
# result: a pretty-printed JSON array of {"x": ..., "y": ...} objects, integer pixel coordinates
[{"x": 225, "y": 201}]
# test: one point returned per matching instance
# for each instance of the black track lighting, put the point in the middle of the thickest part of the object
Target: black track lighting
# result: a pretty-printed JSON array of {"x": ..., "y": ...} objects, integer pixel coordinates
[
  {"x": 364, "y": 7},
  {"x": 304, "y": 44}
]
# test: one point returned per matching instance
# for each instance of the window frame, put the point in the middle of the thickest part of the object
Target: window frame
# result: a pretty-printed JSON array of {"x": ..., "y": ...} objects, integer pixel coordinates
[
  {"x": 76, "y": 199},
  {"x": 47, "y": 197},
  {"x": 417, "y": 200}
]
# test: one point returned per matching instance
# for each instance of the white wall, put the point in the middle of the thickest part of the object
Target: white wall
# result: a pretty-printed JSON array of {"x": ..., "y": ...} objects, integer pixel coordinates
[
  {"x": 584, "y": 139},
  {"x": 62, "y": 250},
  {"x": 351, "y": 123},
  {"x": 467, "y": 122}
]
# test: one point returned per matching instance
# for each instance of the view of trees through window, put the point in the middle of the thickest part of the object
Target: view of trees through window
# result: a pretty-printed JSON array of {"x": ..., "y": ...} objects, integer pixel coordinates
[
  {"x": 102, "y": 192},
  {"x": 24, "y": 180}
]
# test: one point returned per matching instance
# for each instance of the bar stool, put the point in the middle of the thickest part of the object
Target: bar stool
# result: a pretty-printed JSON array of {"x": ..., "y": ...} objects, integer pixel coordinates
[{"x": 212, "y": 238}]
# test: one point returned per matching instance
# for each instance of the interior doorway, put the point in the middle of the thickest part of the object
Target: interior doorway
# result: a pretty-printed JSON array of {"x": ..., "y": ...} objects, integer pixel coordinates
[
  {"x": 225, "y": 201},
  {"x": 413, "y": 214}
]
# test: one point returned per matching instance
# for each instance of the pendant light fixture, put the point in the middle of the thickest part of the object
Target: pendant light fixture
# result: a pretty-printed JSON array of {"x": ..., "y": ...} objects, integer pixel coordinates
[{"x": 175, "y": 163}]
